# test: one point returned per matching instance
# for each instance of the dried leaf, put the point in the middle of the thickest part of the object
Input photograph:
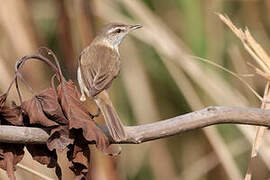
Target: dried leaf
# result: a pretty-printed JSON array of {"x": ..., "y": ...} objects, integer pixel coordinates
[
  {"x": 59, "y": 138},
  {"x": 78, "y": 116},
  {"x": 8, "y": 161},
  {"x": 10, "y": 155},
  {"x": 52, "y": 109},
  {"x": 11, "y": 115},
  {"x": 58, "y": 171},
  {"x": 42, "y": 154},
  {"x": 71, "y": 125},
  {"x": 35, "y": 113},
  {"x": 79, "y": 155}
]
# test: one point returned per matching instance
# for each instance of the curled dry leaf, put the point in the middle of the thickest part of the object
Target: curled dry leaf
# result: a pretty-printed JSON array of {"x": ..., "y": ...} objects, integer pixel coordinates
[
  {"x": 43, "y": 155},
  {"x": 71, "y": 125},
  {"x": 10, "y": 155},
  {"x": 52, "y": 109},
  {"x": 8, "y": 161},
  {"x": 34, "y": 110},
  {"x": 78, "y": 116},
  {"x": 59, "y": 138},
  {"x": 45, "y": 110},
  {"x": 12, "y": 115},
  {"x": 79, "y": 155}
]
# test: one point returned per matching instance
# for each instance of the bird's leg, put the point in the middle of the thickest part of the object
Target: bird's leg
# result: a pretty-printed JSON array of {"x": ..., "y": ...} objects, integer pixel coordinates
[{"x": 81, "y": 84}]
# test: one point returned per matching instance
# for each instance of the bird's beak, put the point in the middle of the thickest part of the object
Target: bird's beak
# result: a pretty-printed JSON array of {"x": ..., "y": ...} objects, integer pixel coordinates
[{"x": 132, "y": 27}]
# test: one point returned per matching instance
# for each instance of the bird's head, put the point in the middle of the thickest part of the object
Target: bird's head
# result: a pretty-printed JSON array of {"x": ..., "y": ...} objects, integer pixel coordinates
[{"x": 113, "y": 34}]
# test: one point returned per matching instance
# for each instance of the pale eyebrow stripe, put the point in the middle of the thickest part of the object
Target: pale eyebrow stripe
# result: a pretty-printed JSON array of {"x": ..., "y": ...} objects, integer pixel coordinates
[{"x": 111, "y": 30}]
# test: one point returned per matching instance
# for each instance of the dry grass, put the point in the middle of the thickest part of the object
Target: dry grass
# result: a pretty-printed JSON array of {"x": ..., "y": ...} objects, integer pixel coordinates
[{"x": 263, "y": 60}]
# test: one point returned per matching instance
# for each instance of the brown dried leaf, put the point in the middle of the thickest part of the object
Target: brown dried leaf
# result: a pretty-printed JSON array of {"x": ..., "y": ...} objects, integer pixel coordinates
[
  {"x": 59, "y": 138},
  {"x": 78, "y": 116},
  {"x": 8, "y": 161},
  {"x": 10, "y": 155},
  {"x": 58, "y": 171},
  {"x": 52, "y": 109},
  {"x": 35, "y": 113},
  {"x": 11, "y": 115},
  {"x": 79, "y": 155},
  {"x": 42, "y": 154}
]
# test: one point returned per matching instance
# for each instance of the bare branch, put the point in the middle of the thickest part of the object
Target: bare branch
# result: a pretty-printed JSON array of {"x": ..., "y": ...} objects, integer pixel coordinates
[{"x": 137, "y": 134}]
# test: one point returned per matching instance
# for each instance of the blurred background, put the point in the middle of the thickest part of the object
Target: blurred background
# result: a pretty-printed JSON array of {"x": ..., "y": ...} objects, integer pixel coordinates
[{"x": 160, "y": 78}]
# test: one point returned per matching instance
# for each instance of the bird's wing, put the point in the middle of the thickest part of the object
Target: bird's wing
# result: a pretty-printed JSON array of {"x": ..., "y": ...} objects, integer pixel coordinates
[{"x": 99, "y": 67}]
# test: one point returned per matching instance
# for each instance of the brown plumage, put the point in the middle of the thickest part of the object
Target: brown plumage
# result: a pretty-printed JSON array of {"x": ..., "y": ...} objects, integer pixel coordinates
[
  {"x": 99, "y": 69},
  {"x": 99, "y": 64}
]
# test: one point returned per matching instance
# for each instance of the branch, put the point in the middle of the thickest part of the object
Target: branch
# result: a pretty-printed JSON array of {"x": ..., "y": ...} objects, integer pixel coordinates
[{"x": 142, "y": 133}]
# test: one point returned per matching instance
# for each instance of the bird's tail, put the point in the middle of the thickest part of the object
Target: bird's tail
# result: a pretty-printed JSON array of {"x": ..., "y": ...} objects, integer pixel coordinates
[{"x": 111, "y": 117}]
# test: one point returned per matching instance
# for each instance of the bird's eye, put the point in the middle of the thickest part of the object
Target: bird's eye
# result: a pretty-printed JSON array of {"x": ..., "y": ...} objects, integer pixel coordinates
[{"x": 118, "y": 30}]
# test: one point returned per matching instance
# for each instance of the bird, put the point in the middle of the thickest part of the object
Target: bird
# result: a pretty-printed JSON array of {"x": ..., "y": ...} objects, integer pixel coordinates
[{"x": 98, "y": 66}]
